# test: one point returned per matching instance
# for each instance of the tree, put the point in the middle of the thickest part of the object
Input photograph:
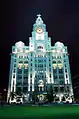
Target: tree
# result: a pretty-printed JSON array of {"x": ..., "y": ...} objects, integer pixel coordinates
[
  {"x": 12, "y": 95},
  {"x": 34, "y": 97},
  {"x": 50, "y": 94}
]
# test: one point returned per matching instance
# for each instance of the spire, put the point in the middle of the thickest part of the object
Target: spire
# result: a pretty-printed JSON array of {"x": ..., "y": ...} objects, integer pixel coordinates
[
  {"x": 38, "y": 15},
  {"x": 39, "y": 19},
  {"x": 39, "y": 23}
]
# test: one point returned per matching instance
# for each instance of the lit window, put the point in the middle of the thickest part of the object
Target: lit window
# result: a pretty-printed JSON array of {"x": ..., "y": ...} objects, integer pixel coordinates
[
  {"x": 19, "y": 65},
  {"x": 60, "y": 66},
  {"x": 54, "y": 66},
  {"x": 25, "y": 66}
]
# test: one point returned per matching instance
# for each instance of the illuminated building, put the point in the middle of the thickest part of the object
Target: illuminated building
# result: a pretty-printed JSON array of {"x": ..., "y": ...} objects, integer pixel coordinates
[{"x": 38, "y": 66}]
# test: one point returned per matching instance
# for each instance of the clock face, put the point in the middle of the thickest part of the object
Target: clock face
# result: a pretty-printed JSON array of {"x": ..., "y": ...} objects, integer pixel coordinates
[{"x": 39, "y": 30}]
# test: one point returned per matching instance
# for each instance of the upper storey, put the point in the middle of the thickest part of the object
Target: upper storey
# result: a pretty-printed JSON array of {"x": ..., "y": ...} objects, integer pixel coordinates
[
  {"x": 39, "y": 35},
  {"x": 39, "y": 26}
]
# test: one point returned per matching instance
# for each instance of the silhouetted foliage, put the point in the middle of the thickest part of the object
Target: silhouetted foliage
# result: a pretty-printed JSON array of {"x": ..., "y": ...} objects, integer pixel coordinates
[
  {"x": 34, "y": 96},
  {"x": 50, "y": 94}
]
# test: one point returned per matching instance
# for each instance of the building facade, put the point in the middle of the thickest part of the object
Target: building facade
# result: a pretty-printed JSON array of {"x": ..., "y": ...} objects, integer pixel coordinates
[{"x": 36, "y": 67}]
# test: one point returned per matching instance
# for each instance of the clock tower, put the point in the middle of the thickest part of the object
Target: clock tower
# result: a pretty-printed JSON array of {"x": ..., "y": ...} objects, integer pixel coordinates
[{"x": 39, "y": 36}]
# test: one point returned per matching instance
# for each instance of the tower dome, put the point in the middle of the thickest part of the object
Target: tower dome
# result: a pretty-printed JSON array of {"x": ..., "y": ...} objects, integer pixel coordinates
[
  {"x": 59, "y": 44},
  {"x": 19, "y": 44}
]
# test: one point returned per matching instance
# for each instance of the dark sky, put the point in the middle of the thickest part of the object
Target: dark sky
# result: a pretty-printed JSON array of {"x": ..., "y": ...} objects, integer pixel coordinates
[{"x": 18, "y": 16}]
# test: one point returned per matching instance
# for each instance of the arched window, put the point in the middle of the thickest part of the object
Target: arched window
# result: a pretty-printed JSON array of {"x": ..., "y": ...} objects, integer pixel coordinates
[
  {"x": 54, "y": 61},
  {"x": 59, "y": 62},
  {"x": 25, "y": 61},
  {"x": 40, "y": 47}
]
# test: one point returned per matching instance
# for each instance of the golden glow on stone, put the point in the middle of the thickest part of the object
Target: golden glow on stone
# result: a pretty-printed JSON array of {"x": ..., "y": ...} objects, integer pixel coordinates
[
  {"x": 20, "y": 65},
  {"x": 54, "y": 66},
  {"x": 60, "y": 66},
  {"x": 25, "y": 66},
  {"x": 53, "y": 51}
]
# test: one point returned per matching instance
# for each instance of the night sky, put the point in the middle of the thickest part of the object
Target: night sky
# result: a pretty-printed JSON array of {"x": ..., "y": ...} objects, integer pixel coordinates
[{"x": 61, "y": 18}]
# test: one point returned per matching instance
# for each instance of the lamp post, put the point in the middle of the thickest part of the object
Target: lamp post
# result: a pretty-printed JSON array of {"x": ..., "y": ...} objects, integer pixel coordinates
[{"x": 4, "y": 95}]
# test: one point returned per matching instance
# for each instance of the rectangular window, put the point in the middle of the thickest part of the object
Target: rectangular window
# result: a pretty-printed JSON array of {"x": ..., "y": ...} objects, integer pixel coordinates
[
  {"x": 30, "y": 69},
  {"x": 18, "y": 90},
  {"x": 64, "y": 56},
  {"x": 25, "y": 77},
  {"x": 61, "y": 77},
  {"x": 54, "y": 70},
  {"x": 45, "y": 65},
  {"x": 31, "y": 81},
  {"x": 25, "y": 89},
  {"x": 67, "y": 88},
  {"x": 61, "y": 71},
  {"x": 25, "y": 71},
  {"x": 66, "y": 76},
  {"x": 66, "y": 70},
  {"x": 49, "y": 64},
  {"x": 20, "y": 57},
  {"x": 14, "y": 60},
  {"x": 13, "y": 75},
  {"x": 14, "y": 71},
  {"x": 50, "y": 69},
  {"x": 14, "y": 65},
  {"x": 31, "y": 64},
  {"x": 61, "y": 82},
  {"x": 64, "y": 60},
  {"x": 55, "y": 76},
  {"x": 56, "y": 89},
  {"x": 61, "y": 89},
  {"x": 19, "y": 76},
  {"x": 50, "y": 75},
  {"x": 30, "y": 88},
  {"x": 13, "y": 49},
  {"x": 30, "y": 75},
  {"x": 19, "y": 71}
]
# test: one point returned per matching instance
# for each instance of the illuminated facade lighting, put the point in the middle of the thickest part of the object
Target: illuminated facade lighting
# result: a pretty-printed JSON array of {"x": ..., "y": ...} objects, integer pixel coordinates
[{"x": 38, "y": 66}]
